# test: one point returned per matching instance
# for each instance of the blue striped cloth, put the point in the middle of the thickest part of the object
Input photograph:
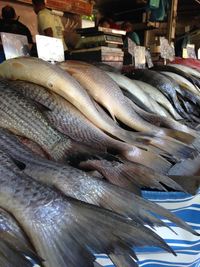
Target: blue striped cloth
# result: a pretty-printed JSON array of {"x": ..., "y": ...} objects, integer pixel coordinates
[{"x": 186, "y": 245}]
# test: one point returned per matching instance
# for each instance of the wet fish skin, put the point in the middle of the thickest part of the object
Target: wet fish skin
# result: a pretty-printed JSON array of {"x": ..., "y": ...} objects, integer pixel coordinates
[
  {"x": 162, "y": 83},
  {"x": 79, "y": 185},
  {"x": 68, "y": 120},
  {"x": 21, "y": 116},
  {"x": 56, "y": 224},
  {"x": 159, "y": 97},
  {"x": 55, "y": 79}
]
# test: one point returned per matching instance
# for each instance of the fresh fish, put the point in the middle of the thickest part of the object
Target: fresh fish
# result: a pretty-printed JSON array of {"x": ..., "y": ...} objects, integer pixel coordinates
[
  {"x": 23, "y": 118},
  {"x": 189, "y": 183},
  {"x": 162, "y": 83},
  {"x": 68, "y": 120},
  {"x": 77, "y": 184},
  {"x": 58, "y": 225},
  {"x": 183, "y": 77},
  {"x": 131, "y": 173},
  {"x": 12, "y": 252},
  {"x": 159, "y": 97},
  {"x": 55, "y": 79},
  {"x": 106, "y": 92},
  {"x": 187, "y": 69},
  {"x": 183, "y": 82},
  {"x": 130, "y": 85}
]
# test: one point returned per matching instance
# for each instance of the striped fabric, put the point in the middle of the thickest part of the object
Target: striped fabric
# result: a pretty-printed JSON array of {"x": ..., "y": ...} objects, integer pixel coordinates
[{"x": 186, "y": 245}]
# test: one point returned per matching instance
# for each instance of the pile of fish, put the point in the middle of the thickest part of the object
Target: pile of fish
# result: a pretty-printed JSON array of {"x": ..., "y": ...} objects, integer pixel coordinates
[{"x": 77, "y": 145}]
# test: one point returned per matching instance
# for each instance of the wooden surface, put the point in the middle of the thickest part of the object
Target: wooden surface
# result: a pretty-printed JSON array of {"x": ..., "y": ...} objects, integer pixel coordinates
[{"x": 81, "y": 7}]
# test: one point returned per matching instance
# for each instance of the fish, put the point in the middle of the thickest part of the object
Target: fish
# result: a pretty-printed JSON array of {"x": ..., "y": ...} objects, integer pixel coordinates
[
  {"x": 60, "y": 82},
  {"x": 14, "y": 245},
  {"x": 159, "y": 97},
  {"x": 108, "y": 93},
  {"x": 163, "y": 84},
  {"x": 180, "y": 76},
  {"x": 69, "y": 121},
  {"x": 80, "y": 185},
  {"x": 132, "y": 173},
  {"x": 190, "y": 62},
  {"x": 57, "y": 225},
  {"x": 187, "y": 69},
  {"x": 12, "y": 252},
  {"x": 127, "y": 84},
  {"x": 23, "y": 118}
]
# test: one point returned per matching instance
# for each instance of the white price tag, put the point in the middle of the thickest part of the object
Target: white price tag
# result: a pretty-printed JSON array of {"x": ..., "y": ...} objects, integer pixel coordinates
[
  {"x": 14, "y": 45},
  {"x": 140, "y": 57},
  {"x": 49, "y": 48},
  {"x": 191, "y": 51}
]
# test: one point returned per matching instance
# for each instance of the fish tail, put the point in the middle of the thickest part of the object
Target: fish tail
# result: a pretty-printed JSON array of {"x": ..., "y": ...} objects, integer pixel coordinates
[
  {"x": 179, "y": 135},
  {"x": 77, "y": 228},
  {"x": 12, "y": 251},
  {"x": 123, "y": 257},
  {"x": 176, "y": 149},
  {"x": 112, "y": 174},
  {"x": 147, "y": 158}
]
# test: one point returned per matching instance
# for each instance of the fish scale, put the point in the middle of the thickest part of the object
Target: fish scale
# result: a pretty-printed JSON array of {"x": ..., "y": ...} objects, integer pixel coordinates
[{"x": 19, "y": 115}]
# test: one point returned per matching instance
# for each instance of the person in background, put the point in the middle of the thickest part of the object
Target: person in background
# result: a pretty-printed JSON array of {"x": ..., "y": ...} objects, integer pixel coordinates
[
  {"x": 10, "y": 23},
  {"x": 128, "y": 27},
  {"x": 104, "y": 22},
  {"x": 48, "y": 23}
]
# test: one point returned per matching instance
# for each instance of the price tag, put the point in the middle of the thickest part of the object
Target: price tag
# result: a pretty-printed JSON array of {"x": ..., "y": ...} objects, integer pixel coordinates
[
  {"x": 167, "y": 51},
  {"x": 191, "y": 51},
  {"x": 199, "y": 53},
  {"x": 131, "y": 48},
  {"x": 14, "y": 45},
  {"x": 184, "y": 53},
  {"x": 148, "y": 59},
  {"x": 50, "y": 48},
  {"x": 140, "y": 57}
]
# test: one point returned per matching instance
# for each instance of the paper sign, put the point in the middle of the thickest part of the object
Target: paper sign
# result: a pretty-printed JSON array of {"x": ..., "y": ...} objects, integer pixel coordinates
[
  {"x": 140, "y": 59},
  {"x": 167, "y": 50},
  {"x": 184, "y": 53},
  {"x": 199, "y": 53},
  {"x": 148, "y": 59},
  {"x": 191, "y": 51},
  {"x": 14, "y": 45},
  {"x": 50, "y": 48}
]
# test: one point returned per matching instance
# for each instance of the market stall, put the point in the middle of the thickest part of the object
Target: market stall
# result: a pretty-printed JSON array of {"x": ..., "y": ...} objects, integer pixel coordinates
[{"x": 99, "y": 153}]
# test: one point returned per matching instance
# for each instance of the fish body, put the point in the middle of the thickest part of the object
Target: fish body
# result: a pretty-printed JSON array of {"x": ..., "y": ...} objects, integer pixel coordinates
[
  {"x": 71, "y": 122},
  {"x": 57, "y": 225},
  {"x": 187, "y": 69},
  {"x": 23, "y": 118},
  {"x": 162, "y": 83},
  {"x": 79, "y": 185},
  {"x": 57, "y": 80},
  {"x": 159, "y": 97}
]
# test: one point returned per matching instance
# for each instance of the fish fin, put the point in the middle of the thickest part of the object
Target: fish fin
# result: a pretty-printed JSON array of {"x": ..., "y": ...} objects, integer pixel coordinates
[
  {"x": 111, "y": 174},
  {"x": 150, "y": 158},
  {"x": 190, "y": 183},
  {"x": 176, "y": 149},
  {"x": 186, "y": 167},
  {"x": 123, "y": 257},
  {"x": 61, "y": 149},
  {"x": 14, "y": 250},
  {"x": 76, "y": 228}
]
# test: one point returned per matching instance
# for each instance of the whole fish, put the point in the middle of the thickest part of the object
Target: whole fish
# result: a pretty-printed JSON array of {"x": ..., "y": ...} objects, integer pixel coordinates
[
  {"x": 107, "y": 92},
  {"x": 57, "y": 80},
  {"x": 159, "y": 97},
  {"x": 162, "y": 83},
  {"x": 70, "y": 121},
  {"x": 190, "y": 62},
  {"x": 77, "y": 184},
  {"x": 58, "y": 225}
]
